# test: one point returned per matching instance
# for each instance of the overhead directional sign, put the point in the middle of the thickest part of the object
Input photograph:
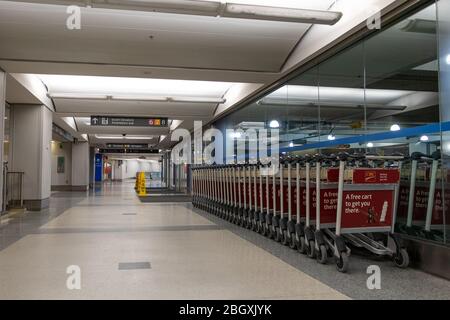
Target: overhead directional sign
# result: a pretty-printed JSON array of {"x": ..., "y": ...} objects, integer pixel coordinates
[
  {"x": 108, "y": 150},
  {"x": 107, "y": 121},
  {"x": 128, "y": 146}
]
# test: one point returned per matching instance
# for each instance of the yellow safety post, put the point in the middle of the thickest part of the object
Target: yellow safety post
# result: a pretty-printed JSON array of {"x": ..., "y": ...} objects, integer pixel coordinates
[{"x": 142, "y": 189}]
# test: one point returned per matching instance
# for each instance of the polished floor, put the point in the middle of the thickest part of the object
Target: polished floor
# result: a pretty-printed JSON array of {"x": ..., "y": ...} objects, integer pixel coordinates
[{"x": 126, "y": 249}]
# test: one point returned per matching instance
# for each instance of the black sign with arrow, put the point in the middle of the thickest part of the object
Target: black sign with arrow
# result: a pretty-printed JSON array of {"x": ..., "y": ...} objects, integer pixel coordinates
[{"x": 107, "y": 121}]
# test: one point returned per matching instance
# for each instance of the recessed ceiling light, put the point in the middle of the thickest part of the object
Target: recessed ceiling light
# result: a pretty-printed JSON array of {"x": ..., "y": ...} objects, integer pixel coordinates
[
  {"x": 274, "y": 124},
  {"x": 331, "y": 137},
  {"x": 291, "y": 144},
  {"x": 424, "y": 138},
  {"x": 369, "y": 145},
  {"x": 395, "y": 127}
]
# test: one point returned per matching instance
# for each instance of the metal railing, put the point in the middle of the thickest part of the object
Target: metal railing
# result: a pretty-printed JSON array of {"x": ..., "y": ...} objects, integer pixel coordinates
[{"x": 12, "y": 189}]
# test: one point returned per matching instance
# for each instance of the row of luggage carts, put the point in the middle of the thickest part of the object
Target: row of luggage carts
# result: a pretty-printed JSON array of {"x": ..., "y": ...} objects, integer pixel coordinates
[{"x": 320, "y": 205}]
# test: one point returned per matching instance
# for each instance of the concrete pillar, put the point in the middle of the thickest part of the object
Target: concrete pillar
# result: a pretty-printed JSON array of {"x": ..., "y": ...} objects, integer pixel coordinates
[
  {"x": 2, "y": 130},
  {"x": 31, "y": 133},
  {"x": 80, "y": 166}
]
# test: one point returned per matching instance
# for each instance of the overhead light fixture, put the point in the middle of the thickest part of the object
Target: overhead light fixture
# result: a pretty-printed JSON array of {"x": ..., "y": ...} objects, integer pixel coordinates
[
  {"x": 122, "y": 137},
  {"x": 324, "y": 104},
  {"x": 77, "y": 96},
  {"x": 424, "y": 138},
  {"x": 331, "y": 137},
  {"x": 274, "y": 124},
  {"x": 447, "y": 59},
  {"x": 246, "y": 11},
  {"x": 196, "y": 100},
  {"x": 139, "y": 98},
  {"x": 395, "y": 127},
  {"x": 135, "y": 98},
  {"x": 369, "y": 145},
  {"x": 194, "y": 7},
  {"x": 291, "y": 144}
]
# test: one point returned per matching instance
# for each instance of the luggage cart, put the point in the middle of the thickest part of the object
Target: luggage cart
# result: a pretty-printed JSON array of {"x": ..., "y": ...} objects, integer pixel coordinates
[
  {"x": 308, "y": 229},
  {"x": 277, "y": 194},
  {"x": 293, "y": 203},
  {"x": 326, "y": 194},
  {"x": 256, "y": 201},
  {"x": 266, "y": 214},
  {"x": 366, "y": 205},
  {"x": 300, "y": 184}
]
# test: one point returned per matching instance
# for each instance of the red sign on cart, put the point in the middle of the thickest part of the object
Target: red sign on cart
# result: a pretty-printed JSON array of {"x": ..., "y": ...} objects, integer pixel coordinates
[
  {"x": 367, "y": 208},
  {"x": 375, "y": 176}
]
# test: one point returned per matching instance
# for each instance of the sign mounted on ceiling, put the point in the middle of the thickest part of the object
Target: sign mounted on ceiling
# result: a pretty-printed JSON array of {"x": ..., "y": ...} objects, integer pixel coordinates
[
  {"x": 128, "y": 146},
  {"x": 107, "y": 121}
]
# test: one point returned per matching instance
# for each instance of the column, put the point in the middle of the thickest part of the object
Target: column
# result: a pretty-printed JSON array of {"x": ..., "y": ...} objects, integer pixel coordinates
[
  {"x": 2, "y": 130},
  {"x": 80, "y": 166},
  {"x": 31, "y": 133}
]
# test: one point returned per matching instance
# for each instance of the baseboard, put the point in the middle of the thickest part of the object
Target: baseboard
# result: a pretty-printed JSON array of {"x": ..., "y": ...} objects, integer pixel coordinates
[
  {"x": 36, "y": 205},
  {"x": 69, "y": 188}
]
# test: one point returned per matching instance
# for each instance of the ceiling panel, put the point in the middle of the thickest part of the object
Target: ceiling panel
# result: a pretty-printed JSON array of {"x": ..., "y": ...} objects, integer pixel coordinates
[{"x": 38, "y": 32}]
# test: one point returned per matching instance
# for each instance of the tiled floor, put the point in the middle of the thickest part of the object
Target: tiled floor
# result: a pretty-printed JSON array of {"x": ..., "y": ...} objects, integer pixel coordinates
[{"x": 191, "y": 257}]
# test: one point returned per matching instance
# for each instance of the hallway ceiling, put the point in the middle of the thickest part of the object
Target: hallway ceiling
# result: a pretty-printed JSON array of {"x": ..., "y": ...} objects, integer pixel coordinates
[{"x": 126, "y": 44}]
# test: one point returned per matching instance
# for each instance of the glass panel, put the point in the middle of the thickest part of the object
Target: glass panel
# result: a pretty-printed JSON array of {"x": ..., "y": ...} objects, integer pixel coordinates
[
  {"x": 443, "y": 10},
  {"x": 402, "y": 81}
]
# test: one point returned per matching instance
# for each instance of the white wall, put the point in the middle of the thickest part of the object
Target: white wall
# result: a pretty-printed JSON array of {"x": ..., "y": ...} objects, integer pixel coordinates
[
  {"x": 31, "y": 130},
  {"x": 61, "y": 149},
  {"x": 2, "y": 129}
]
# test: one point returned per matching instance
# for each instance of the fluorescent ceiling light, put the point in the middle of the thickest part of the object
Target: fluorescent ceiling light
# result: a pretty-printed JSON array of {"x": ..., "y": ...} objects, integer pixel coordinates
[
  {"x": 274, "y": 124},
  {"x": 337, "y": 95},
  {"x": 331, "y": 137},
  {"x": 291, "y": 144},
  {"x": 195, "y": 7},
  {"x": 134, "y": 87},
  {"x": 369, "y": 145},
  {"x": 196, "y": 100},
  {"x": 395, "y": 127},
  {"x": 447, "y": 59},
  {"x": 87, "y": 96},
  {"x": 244, "y": 11},
  {"x": 139, "y": 98},
  {"x": 121, "y": 137},
  {"x": 337, "y": 104}
]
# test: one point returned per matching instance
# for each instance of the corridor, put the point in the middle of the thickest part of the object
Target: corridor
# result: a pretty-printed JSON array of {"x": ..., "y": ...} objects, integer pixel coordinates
[{"x": 131, "y": 250}]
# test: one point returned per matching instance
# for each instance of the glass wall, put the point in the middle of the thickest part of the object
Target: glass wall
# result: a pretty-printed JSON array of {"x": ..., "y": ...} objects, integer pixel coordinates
[{"x": 380, "y": 96}]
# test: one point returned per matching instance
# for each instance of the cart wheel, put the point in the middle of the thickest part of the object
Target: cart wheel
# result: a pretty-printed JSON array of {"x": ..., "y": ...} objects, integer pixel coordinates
[
  {"x": 292, "y": 242},
  {"x": 310, "y": 250},
  {"x": 285, "y": 240},
  {"x": 271, "y": 233},
  {"x": 401, "y": 259},
  {"x": 342, "y": 262},
  {"x": 258, "y": 228},
  {"x": 322, "y": 254},
  {"x": 278, "y": 235},
  {"x": 262, "y": 230},
  {"x": 302, "y": 246}
]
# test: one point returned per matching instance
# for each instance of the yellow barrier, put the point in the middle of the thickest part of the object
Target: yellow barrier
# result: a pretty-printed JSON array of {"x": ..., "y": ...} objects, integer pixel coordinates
[{"x": 141, "y": 186}]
